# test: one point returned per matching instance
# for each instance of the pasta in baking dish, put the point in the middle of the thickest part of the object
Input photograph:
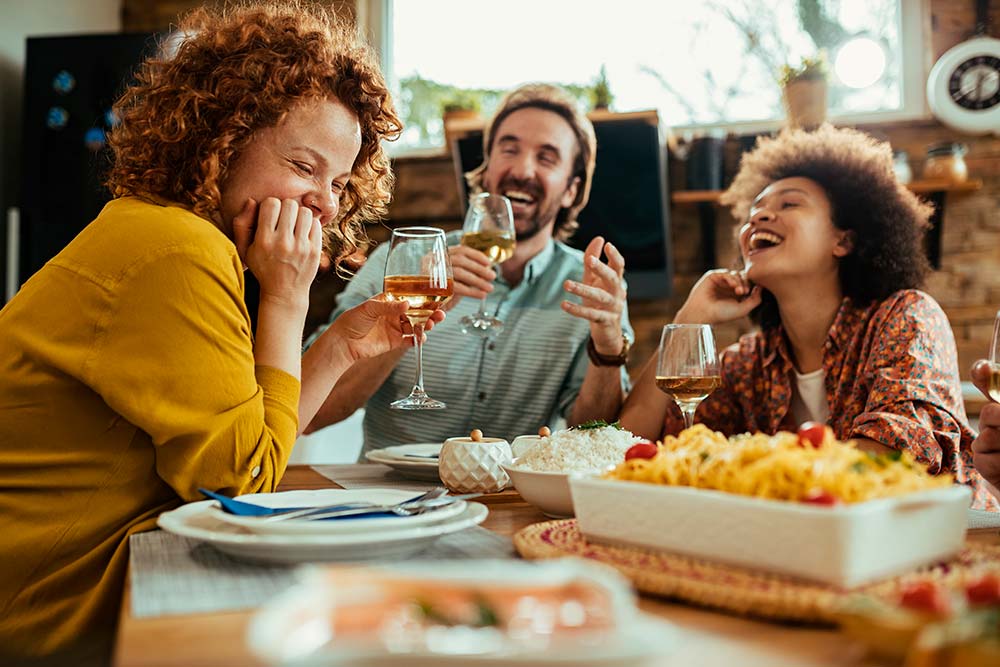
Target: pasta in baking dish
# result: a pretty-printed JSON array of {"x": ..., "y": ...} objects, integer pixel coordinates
[{"x": 806, "y": 467}]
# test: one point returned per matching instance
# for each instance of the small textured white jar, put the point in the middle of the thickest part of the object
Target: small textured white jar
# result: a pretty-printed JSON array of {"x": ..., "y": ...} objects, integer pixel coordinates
[{"x": 473, "y": 466}]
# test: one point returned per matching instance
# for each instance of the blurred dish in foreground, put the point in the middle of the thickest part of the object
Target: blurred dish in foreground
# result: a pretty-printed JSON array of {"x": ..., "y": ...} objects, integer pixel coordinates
[
  {"x": 930, "y": 622},
  {"x": 479, "y": 613}
]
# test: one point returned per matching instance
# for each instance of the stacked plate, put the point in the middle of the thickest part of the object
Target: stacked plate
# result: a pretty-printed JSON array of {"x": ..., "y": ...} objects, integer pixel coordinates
[
  {"x": 419, "y": 461},
  {"x": 295, "y": 541}
]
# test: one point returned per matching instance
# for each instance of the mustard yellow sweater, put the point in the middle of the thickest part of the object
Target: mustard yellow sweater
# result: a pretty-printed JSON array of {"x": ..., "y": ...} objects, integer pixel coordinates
[{"x": 127, "y": 381}]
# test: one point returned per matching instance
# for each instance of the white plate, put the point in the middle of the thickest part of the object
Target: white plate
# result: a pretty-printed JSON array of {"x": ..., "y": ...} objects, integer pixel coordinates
[
  {"x": 291, "y": 630},
  {"x": 324, "y": 497},
  {"x": 197, "y": 521},
  {"x": 413, "y": 467}
]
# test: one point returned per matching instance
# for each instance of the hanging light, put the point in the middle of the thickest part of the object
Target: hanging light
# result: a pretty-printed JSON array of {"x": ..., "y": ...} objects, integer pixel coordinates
[{"x": 860, "y": 62}]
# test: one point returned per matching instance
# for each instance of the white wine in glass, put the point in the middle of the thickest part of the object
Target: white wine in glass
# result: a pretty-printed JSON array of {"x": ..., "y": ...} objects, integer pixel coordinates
[
  {"x": 995, "y": 361},
  {"x": 488, "y": 228},
  {"x": 687, "y": 368},
  {"x": 418, "y": 271}
]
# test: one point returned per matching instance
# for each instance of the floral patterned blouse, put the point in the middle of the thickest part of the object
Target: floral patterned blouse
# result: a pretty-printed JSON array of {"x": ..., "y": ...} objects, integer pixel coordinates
[{"x": 891, "y": 375}]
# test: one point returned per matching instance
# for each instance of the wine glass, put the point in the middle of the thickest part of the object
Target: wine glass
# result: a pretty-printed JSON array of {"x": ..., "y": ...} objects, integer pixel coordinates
[
  {"x": 488, "y": 228},
  {"x": 687, "y": 368},
  {"x": 418, "y": 271},
  {"x": 994, "y": 386}
]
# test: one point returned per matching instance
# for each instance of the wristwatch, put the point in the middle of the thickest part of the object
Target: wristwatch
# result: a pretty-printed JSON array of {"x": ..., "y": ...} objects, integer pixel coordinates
[{"x": 599, "y": 359}]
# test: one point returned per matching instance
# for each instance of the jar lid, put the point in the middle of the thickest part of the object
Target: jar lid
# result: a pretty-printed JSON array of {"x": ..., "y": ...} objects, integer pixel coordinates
[{"x": 946, "y": 148}]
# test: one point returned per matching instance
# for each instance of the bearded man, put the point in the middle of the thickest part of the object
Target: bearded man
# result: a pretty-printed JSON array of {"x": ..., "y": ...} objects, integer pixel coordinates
[{"x": 555, "y": 358}]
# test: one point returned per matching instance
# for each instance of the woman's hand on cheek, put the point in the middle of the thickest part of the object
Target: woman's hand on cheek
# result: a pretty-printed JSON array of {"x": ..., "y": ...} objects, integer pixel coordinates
[
  {"x": 719, "y": 296},
  {"x": 284, "y": 255}
]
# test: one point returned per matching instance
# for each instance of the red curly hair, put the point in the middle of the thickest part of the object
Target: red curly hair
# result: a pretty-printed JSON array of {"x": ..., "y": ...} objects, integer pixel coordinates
[{"x": 238, "y": 70}]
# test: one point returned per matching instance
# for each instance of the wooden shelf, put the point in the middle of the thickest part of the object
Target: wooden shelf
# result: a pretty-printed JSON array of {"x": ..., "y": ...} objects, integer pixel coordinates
[{"x": 919, "y": 187}]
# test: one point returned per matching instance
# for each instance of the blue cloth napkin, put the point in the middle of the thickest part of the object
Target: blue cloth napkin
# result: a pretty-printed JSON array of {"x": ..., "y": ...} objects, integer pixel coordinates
[{"x": 241, "y": 508}]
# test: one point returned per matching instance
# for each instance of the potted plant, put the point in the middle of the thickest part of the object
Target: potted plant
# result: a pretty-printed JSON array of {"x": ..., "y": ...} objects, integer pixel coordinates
[
  {"x": 462, "y": 106},
  {"x": 600, "y": 92},
  {"x": 803, "y": 92}
]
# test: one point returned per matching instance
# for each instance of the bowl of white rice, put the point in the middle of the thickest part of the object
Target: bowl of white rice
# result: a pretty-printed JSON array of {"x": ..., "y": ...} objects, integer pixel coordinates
[{"x": 541, "y": 474}]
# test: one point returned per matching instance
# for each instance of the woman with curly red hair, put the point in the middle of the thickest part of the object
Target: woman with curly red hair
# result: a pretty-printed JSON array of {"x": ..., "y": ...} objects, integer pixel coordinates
[
  {"x": 832, "y": 262},
  {"x": 129, "y": 375}
]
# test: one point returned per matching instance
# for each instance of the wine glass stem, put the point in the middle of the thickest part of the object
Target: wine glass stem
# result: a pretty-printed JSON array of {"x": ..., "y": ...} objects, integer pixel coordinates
[
  {"x": 688, "y": 410},
  {"x": 482, "y": 308},
  {"x": 418, "y": 334}
]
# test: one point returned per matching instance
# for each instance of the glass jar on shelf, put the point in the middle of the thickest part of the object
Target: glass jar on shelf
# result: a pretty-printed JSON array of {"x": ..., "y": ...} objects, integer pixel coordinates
[{"x": 946, "y": 161}]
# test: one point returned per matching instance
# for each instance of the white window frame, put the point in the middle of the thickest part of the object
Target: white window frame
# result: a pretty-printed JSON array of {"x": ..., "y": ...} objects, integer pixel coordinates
[{"x": 375, "y": 20}]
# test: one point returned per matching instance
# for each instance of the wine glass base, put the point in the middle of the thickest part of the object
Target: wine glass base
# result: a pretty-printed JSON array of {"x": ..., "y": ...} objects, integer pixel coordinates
[
  {"x": 481, "y": 325},
  {"x": 416, "y": 402}
]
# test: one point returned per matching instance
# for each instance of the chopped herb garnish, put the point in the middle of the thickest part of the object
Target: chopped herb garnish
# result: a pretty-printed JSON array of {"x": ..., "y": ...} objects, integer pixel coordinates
[
  {"x": 859, "y": 466},
  {"x": 487, "y": 617},
  {"x": 704, "y": 456},
  {"x": 595, "y": 424}
]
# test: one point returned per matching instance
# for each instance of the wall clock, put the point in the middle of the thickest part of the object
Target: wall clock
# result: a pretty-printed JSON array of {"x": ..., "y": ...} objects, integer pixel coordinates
[{"x": 963, "y": 89}]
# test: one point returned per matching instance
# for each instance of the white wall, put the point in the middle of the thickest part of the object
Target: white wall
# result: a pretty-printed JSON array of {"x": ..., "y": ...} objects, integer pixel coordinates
[{"x": 33, "y": 18}]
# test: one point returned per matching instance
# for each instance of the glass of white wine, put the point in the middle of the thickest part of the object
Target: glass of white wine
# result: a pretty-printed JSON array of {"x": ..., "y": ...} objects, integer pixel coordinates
[
  {"x": 488, "y": 228},
  {"x": 687, "y": 368},
  {"x": 418, "y": 270},
  {"x": 995, "y": 361}
]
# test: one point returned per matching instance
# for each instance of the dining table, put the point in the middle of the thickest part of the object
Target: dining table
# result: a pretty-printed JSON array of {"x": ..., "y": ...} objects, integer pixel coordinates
[{"x": 705, "y": 637}]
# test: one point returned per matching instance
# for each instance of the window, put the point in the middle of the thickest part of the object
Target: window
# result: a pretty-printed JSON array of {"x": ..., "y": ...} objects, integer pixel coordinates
[{"x": 701, "y": 64}]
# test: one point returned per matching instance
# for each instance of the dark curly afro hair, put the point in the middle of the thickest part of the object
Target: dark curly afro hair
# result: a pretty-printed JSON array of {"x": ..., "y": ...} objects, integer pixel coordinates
[{"x": 887, "y": 222}]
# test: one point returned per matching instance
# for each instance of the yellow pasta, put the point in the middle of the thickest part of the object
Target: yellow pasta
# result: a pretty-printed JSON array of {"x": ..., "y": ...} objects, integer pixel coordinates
[{"x": 778, "y": 467}]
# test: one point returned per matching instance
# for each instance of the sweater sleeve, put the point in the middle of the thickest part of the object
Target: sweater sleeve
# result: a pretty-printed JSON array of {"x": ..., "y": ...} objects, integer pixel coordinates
[{"x": 174, "y": 356}]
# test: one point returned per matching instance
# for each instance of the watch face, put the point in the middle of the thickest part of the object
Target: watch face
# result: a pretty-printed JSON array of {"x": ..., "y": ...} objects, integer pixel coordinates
[{"x": 975, "y": 83}]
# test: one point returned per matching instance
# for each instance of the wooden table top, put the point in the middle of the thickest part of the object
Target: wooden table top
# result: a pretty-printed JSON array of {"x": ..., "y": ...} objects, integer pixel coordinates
[{"x": 709, "y": 638}]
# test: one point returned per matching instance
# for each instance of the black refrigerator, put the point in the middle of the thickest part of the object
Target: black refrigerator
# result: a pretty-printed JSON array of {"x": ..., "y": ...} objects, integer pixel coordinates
[{"x": 70, "y": 83}]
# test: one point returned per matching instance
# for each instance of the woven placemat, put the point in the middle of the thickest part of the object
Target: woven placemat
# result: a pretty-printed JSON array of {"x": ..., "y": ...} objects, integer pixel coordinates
[{"x": 732, "y": 588}]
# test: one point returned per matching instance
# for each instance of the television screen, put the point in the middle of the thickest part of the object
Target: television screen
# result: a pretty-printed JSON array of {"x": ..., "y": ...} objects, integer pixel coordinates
[{"x": 628, "y": 198}]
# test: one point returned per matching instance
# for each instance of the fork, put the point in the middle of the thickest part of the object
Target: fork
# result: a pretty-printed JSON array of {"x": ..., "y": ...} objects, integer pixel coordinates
[{"x": 409, "y": 508}]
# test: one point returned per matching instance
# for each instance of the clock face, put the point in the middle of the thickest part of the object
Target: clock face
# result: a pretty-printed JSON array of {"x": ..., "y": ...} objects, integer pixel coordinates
[{"x": 975, "y": 83}]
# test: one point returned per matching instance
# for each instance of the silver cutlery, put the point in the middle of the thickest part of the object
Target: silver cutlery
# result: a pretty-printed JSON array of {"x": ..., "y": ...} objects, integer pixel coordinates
[{"x": 355, "y": 508}]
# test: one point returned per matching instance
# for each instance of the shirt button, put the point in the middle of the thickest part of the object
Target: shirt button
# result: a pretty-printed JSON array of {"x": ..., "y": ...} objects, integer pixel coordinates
[
  {"x": 482, "y": 396},
  {"x": 255, "y": 472},
  {"x": 491, "y": 346}
]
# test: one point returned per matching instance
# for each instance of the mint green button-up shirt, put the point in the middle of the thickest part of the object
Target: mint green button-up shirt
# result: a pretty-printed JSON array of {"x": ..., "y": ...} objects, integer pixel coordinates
[{"x": 527, "y": 376}]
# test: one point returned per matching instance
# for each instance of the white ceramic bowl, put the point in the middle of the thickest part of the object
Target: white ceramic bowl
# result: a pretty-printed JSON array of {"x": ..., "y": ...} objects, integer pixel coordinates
[
  {"x": 846, "y": 545},
  {"x": 548, "y": 491}
]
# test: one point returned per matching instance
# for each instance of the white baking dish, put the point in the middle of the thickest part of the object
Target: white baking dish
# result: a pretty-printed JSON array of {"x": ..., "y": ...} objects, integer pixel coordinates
[{"x": 843, "y": 545}]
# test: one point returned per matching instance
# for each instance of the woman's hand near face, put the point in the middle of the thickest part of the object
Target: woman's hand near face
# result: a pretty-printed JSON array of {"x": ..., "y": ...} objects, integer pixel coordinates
[
  {"x": 285, "y": 251},
  {"x": 719, "y": 296},
  {"x": 376, "y": 326}
]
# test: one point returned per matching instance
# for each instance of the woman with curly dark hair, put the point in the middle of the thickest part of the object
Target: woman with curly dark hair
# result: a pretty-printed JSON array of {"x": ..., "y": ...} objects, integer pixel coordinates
[
  {"x": 832, "y": 262},
  {"x": 129, "y": 375}
]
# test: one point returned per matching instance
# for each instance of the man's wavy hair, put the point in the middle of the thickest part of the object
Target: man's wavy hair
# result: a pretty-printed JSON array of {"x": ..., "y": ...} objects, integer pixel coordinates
[
  {"x": 554, "y": 99},
  {"x": 886, "y": 221},
  {"x": 233, "y": 72}
]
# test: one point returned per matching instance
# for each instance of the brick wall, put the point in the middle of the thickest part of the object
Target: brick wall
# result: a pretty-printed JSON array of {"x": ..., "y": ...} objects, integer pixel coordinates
[{"x": 967, "y": 284}]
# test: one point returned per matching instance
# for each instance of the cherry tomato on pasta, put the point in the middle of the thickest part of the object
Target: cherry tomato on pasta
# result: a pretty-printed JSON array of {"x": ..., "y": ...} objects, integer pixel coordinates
[
  {"x": 812, "y": 433},
  {"x": 641, "y": 450},
  {"x": 821, "y": 497}
]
